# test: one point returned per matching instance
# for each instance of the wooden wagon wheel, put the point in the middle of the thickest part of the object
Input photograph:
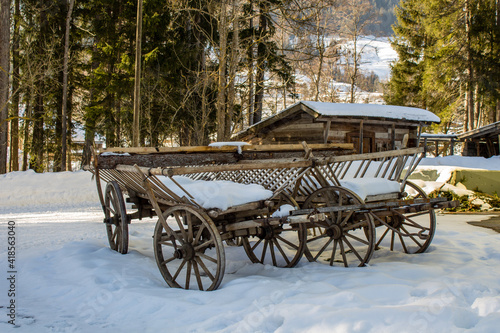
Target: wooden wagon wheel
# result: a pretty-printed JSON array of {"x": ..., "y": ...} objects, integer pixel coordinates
[
  {"x": 115, "y": 217},
  {"x": 410, "y": 232},
  {"x": 194, "y": 250},
  {"x": 278, "y": 245},
  {"x": 345, "y": 238}
]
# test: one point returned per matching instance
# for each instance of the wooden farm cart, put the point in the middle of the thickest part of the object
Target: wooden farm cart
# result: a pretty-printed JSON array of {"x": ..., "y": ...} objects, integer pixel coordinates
[
  {"x": 188, "y": 237},
  {"x": 357, "y": 193}
]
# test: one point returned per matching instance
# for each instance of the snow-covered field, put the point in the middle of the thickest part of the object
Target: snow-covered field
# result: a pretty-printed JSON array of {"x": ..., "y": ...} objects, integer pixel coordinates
[{"x": 68, "y": 280}]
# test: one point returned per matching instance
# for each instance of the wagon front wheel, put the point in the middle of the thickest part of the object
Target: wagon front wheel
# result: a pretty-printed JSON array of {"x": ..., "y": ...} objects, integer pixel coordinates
[
  {"x": 115, "y": 217},
  {"x": 278, "y": 245},
  {"x": 407, "y": 232},
  {"x": 345, "y": 238},
  {"x": 189, "y": 252}
]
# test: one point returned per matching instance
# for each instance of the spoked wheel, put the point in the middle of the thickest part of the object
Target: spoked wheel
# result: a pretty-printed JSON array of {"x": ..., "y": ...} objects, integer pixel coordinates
[
  {"x": 278, "y": 245},
  {"x": 407, "y": 232},
  {"x": 115, "y": 217},
  {"x": 190, "y": 253},
  {"x": 344, "y": 238}
]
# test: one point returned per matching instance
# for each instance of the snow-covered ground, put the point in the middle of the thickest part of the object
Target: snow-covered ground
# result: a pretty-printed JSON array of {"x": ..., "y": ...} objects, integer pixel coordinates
[{"x": 68, "y": 280}]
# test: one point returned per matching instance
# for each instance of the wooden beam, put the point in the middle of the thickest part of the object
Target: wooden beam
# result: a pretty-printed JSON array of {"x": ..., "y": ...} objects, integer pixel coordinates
[
  {"x": 393, "y": 136},
  {"x": 361, "y": 137},
  {"x": 326, "y": 130},
  {"x": 226, "y": 149}
]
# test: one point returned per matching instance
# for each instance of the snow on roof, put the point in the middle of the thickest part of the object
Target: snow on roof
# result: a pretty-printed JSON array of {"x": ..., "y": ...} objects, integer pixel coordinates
[{"x": 372, "y": 110}]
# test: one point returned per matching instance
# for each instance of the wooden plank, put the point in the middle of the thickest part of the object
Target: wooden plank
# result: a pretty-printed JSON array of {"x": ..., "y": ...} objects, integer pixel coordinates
[
  {"x": 222, "y": 149},
  {"x": 382, "y": 154},
  {"x": 250, "y": 165},
  {"x": 166, "y": 160}
]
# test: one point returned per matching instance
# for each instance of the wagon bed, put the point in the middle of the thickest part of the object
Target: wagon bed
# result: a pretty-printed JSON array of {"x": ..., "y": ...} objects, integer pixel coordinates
[{"x": 323, "y": 219}]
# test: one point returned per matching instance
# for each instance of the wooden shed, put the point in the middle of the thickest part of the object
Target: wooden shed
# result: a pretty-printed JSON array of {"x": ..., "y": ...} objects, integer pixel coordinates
[
  {"x": 370, "y": 127},
  {"x": 483, "y": 141}
]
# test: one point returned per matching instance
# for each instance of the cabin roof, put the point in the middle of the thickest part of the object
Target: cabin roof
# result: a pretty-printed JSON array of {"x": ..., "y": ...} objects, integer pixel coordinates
[
  {"x": 372, "y": 111},
  {"x": 482, "y": 132},
  {"x": 347, "y": 110}
]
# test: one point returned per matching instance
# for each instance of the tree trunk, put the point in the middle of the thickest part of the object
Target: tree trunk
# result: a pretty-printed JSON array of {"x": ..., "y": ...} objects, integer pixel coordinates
[
  {"x": 470, "y": 70},
  {"x": 4, "y": 79},
  {"x": 65, "y": 87},
  {"x": 26, "y": 130},
  {"x": 355, "y": 68},
  {"x": 233, "y": 66},
  {"x": 37, "y": 147},
  {"x": 14, "y": 129},
  {"x": 137, "y": 82},
  {"x": 251, "y": 76},
  {"x": 261, "y": 57},
  {"x": 221, "y": 89}
]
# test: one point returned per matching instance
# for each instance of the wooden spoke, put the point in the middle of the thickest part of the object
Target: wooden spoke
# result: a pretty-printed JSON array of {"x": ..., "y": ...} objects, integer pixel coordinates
[
  {"x": 179, "y": 270},
  {"x": 190, "y": 228},
  {"x": 408, "y": 226},
  {"x": 198, "y": 234},
  {"x": 203, "y": 255},
  {"x": 198, "y": 276},
  {"x": 181, "y": 226},
  {"x": 324, "y": 248},
  {"x": 352, "y": 248},
  {"x": 278, "y": 246},
  {"x": 205, "y": 269},
  {"x": 288, "y": 239},
  {"x": 204, "y": 245},
  {"x": 188, "y": 274},
  {"x": 198, "y": 240},
  {"x": 342, "y": 251},
  {"x": 363, "y": 241},
  {"x": 264, "y": 251},
  {"x": 382, "y": 237},
  {"x": 273, "y": 256},
  {"x": 256, "y": 244},
  {"x": 115, "y": 217},
  {"x": 293, "y": 246},
  {"x": 344, "y": 235},
  {"x": 164, "y": 262},
  {"x": 317, "y": 237},
  {"x": 334, "y": 250}
]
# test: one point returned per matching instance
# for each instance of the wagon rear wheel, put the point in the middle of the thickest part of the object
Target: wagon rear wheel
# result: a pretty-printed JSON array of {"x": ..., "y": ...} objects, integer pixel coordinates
[
  {"x": 192, "y": 255},
  {"x": 115, "y": 217},
  {"x": 345, "y": 238},
  {"x": 278, "y": 245},
  {"x": 410, "y": 232}
]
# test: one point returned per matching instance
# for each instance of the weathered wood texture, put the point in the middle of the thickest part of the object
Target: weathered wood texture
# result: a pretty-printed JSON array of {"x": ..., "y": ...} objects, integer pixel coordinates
[
  {"x": 379, "y": 135},
  {"x": 193, "y": 156}
]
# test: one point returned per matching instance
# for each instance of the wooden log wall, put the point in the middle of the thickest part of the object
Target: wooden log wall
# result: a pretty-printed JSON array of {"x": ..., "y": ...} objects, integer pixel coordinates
[{"x": 387, "y": 135}]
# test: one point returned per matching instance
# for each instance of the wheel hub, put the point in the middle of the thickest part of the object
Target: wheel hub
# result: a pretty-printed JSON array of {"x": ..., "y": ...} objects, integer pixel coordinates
[
  {"x": 395, "y": 221},
  {"x": 334, "y": 231},
  {"x": 266, "y": 232},
  {"x": 186, "y": 252}
]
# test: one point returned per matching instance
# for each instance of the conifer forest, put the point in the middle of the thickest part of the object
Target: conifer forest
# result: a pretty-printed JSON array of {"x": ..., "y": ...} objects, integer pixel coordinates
[{"x": 210, "y": 68}]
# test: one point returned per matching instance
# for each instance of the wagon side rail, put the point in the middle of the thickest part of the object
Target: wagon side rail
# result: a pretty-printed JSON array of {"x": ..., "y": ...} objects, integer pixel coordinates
[{"x": 332, "y": 171}]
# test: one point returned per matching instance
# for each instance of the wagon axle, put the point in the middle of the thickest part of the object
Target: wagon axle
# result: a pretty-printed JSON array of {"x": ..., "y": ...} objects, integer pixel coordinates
[{"x": 186, "y": 252}]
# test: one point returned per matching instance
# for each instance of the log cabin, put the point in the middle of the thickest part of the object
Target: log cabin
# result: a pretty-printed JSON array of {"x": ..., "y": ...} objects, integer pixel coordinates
[
  {"x": 369, "y": 127},
  {"x": 483, "y": 141}
]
